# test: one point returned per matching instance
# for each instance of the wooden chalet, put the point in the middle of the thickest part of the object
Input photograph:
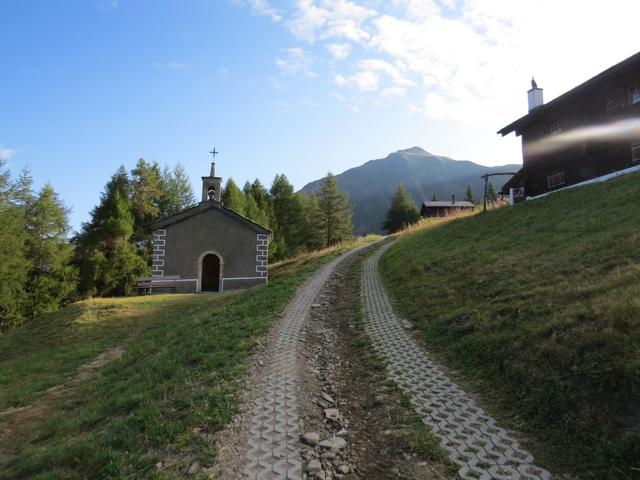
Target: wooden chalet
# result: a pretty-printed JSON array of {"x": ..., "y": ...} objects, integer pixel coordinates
[
  {"x": 589, "y": 133},
  {"x": 436, "y": 208}
]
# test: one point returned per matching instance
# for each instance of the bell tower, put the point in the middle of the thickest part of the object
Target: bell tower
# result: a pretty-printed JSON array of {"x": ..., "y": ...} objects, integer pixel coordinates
[{"x": 211, "y": 185}]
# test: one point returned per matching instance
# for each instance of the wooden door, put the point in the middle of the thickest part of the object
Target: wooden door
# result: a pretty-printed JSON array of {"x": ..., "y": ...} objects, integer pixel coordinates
[{"x": 210, "y": 273}]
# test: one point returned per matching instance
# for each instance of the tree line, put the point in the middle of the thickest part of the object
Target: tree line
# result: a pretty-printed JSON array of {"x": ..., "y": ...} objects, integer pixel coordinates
[
  {"x": 42, "y": 268},
  {"x": 299, "y": 223},
  {"x": 403, "y": 212}
]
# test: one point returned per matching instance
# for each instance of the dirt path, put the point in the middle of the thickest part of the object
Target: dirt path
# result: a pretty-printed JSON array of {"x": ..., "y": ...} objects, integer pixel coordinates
[
  {"x": 481, "y": 449},
  {"x": 263, "y": 441},
  {"x": 317, "y": 405},
  {"x": 341, "y": 374},
  {"x": 16, "y": 422}
]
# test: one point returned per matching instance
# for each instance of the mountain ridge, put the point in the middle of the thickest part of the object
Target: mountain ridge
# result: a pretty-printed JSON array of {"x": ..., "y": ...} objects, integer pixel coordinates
[{"x": 371, "y": 185}]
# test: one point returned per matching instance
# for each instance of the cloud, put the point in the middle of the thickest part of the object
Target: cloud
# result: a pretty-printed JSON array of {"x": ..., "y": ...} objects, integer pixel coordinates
[
  {"x": 366, "y": 81},
  {"x": 260, "y": 8},
  {"x": 469, "y": 60},
  {"x": 294, "y": 61},
  {"x": 325, "y": 19},
  {"x": 339, "y": 51},
  {"x": 382, "y": 66},
  {"x": 172, "y": 66},
  {"x": 393, "y": 92},
  {"x": 6, "y": 153}
]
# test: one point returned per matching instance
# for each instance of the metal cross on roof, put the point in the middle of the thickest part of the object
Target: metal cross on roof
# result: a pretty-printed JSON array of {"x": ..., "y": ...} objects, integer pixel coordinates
[{"x": 214, "y": 153}]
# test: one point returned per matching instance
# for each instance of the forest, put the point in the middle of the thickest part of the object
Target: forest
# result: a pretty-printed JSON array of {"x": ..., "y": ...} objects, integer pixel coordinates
[{"x": 44, "y": 265}]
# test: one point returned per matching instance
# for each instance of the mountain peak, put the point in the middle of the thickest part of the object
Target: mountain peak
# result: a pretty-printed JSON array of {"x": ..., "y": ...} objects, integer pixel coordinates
[
  {"x": 414, "y": 151},
  {"x": 372, "y": 185}
]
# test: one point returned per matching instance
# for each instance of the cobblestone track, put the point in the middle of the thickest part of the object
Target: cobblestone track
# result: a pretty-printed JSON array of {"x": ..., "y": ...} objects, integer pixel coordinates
[
  {"x": 481, "y": 449},
  {"x": 273, "y": 433}
]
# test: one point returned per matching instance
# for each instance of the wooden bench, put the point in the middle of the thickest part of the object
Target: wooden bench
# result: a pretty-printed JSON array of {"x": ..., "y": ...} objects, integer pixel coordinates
[{"x": 147, "y": 284}]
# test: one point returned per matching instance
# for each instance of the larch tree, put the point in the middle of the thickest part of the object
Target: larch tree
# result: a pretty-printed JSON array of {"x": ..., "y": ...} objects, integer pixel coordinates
[
  {"x": 13, "y": 253},
  {"x": 316, "y": 239},
  {"x": 145, "y": 197},
  {"x": 233, "y": 198},
  {"x": 335, "y": 212},
  {"x": 109, "y": 262},
  {"x": 288, "y": 221},
  {"x": 253, "y": 212},
  {"x": 402, "y": 211},
  {"x": 177, "y": 193},
  {"x": 51, "y": 278},
  {"x": 468, "y": 195}
]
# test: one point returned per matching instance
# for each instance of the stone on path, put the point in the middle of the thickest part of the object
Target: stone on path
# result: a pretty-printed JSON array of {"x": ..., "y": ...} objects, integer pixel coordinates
[
  {"x": 332, "y": 413},
  {"x": 334, "y": 443},
  {"x": 313, "y": 466},
  {"x": 328, "y": 398},
  {"x": 310, "y": 438}
]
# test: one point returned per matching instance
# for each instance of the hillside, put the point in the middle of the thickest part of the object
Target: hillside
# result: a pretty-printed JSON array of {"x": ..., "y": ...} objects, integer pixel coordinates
[
  {"x": 133, "y": 387},
  {"x": 371, "y": 186},
  {"x": 539, "y": 306}
]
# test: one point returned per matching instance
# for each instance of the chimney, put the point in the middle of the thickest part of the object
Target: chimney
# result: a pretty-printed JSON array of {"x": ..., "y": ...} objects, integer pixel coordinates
[
  {"x": 534, "y": 95},
  {"x": 453, "y": 199}
]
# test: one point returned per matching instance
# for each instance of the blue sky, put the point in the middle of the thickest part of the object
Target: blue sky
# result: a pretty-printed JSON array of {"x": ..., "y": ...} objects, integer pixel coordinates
[{"x": 296, "y": 86}]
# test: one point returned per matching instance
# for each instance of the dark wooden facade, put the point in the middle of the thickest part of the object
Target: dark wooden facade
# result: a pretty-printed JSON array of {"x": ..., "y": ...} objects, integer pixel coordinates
[
  {"x": 603, "y": 101},
  {"x": 444, "y": 208}
]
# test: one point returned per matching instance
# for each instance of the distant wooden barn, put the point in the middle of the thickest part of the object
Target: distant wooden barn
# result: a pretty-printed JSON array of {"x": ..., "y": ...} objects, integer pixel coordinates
[
  {"x": 588, "y": 134},
  {"x": 445, "y": 208}
]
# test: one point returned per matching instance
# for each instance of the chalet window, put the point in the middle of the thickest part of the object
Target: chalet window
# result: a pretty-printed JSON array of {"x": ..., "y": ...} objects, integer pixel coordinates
[
  {"x": 634, "y": 94},
  {"x": 555, "y": 128},
  {"x": 615, "y": 100},
  {"x": 635, "y": 152},
  {"x": 556, "y": 180}
]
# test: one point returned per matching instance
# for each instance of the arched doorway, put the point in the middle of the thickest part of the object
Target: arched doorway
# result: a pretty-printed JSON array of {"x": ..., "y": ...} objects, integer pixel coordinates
[{"x": 210, "y": 273}]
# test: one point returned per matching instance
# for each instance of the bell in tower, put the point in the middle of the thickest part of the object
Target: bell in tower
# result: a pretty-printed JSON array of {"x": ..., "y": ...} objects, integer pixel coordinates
[{"x": 211, "y": 184}]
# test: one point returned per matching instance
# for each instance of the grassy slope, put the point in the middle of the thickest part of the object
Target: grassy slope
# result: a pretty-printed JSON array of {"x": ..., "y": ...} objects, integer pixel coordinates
[
  {"x": 539, "y": 305},
  {"x": 175, "y": 383}
]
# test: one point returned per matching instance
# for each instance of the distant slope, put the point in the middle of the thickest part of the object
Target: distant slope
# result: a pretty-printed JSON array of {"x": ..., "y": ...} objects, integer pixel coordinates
[
  {"x": 539, "y": 305},
  {"x": 370, "y": 186}
]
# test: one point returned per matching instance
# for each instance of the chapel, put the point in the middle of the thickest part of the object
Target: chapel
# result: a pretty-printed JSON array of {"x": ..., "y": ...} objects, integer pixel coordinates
[{"x": 209, "y": 247}]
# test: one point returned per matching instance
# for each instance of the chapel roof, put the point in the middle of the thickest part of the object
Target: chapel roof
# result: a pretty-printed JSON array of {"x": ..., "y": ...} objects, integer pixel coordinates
[{"x": 203, "y": 207}]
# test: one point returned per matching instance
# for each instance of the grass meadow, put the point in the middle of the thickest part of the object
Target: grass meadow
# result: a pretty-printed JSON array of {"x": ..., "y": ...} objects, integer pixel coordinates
[
  {"x": 538, "y": 305},
  {"x": 172, "y": 385}
]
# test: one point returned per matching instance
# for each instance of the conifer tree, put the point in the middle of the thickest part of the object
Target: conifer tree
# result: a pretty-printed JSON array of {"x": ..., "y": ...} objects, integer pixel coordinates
[
  {"x": 23, "y": 190},
  {"x": 335, "y": 212},
  {"x": 145, "y": 196},
  {"x": 177, "y": 193},
  {"x": 51, "y": 279},
  {"x": 316, "y": 239},
  {"x": 253, "y": 212},
  {"x": 262, "y": 197},
  {"x": 109, "y": 263},
  {"x": 434, "y": 198},
  {"x": 468, "y": 195},
  {"x": 288, "y": 221},
  {"x": 402, "y": 211},
  {"x": 233, "y": 198},
  {"x": 13, "y": 255}
]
